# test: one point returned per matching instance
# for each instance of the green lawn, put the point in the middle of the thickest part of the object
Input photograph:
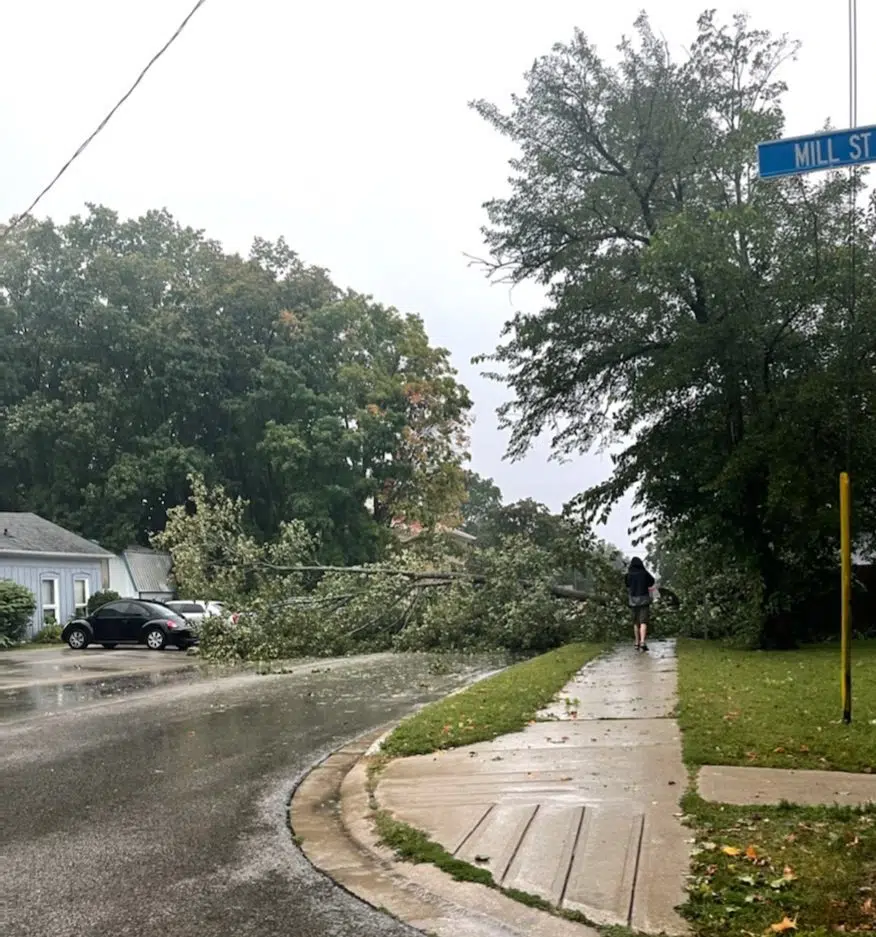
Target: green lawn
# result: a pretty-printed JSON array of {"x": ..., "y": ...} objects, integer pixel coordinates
[
  {"x": 496, "y": 706},
  {"x": 757, "y": 869},
  {"x": 776, "y": 709},
  {"x": 798, "y": 870}
]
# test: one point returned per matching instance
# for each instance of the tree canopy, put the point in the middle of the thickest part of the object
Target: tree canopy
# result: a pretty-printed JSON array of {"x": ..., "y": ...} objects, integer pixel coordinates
[
  {"x": 697, "y": 313},
  {"x": 483, "y": 497},
  {"x": 133, "y": 353}
]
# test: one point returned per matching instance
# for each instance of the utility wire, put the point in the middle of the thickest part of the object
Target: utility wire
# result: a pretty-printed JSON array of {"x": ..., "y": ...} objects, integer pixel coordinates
[{"x": 19, "y": 218}]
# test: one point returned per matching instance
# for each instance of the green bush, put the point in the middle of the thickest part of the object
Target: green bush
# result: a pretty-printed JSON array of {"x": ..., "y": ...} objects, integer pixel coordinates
[
  {"x": 50, "y": 634},
  {"x": 101, "y": 598},
  {"x": 17, "y": 605}
]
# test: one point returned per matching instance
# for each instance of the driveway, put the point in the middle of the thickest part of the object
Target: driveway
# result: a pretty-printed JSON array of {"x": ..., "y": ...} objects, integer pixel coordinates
[{"x": 165, "y": 813}]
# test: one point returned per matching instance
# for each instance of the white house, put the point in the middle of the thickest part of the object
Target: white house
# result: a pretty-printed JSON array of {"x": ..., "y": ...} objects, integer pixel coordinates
[{"x": 61, "y": 569}]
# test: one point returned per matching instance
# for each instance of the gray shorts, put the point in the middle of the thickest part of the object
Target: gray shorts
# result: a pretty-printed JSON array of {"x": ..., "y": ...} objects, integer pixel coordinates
[{"x": 641, "y": 614}]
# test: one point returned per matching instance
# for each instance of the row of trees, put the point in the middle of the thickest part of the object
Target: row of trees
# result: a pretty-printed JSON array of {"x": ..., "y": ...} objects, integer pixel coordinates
[
  {"x": 700, "y": 314},
  {"x": 705, "y": 317},
  {"x": 249, "y": 416},
  {"x": 133, "y": 353}
]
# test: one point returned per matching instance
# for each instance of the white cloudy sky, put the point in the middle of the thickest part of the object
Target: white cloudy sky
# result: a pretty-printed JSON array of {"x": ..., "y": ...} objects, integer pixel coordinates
[{"x": 343, "y": 125}]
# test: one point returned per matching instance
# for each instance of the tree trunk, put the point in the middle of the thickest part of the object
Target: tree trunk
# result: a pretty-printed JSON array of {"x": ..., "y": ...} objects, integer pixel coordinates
[{"x": 778, "y": 631}]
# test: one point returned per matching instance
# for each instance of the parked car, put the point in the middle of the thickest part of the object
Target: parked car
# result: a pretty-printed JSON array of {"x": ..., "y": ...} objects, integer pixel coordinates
[
  {"x": 131, "y": 621},
  {"x": 196, "y": 610}
]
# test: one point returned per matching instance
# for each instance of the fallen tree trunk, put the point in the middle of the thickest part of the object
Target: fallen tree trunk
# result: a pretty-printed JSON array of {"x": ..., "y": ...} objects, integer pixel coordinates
[
  {"x": 375, "y": 571},
  {"x": 426, "y": 577}
]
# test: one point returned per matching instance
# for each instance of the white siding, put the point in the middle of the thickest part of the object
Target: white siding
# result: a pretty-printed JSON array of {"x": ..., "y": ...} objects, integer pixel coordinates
[
  {"x": 120, "y": 579},
  {"x": 31, "y": 572}
]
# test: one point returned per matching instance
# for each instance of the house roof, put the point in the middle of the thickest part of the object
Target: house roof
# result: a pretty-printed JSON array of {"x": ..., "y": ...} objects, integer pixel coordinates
[
  {"x": 149, "y": 569},
  {"x": 22, "y": 532}
]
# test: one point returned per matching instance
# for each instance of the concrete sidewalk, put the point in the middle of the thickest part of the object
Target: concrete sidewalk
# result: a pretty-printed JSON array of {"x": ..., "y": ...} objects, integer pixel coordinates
[{"x": 582, "y": 810}]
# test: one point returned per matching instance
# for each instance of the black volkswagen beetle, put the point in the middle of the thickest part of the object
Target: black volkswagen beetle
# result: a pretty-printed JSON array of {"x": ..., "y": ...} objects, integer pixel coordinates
[{"x": 131, "y": 621}]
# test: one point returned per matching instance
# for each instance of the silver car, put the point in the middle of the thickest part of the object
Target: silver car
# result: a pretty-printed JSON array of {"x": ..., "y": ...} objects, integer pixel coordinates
[{"x": 196, "y": 610}]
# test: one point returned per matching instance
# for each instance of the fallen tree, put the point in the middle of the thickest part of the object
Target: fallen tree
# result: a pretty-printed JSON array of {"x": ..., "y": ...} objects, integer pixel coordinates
[
  {"x": 421, "y": 578},
  {"x": 428, "y": 595}
]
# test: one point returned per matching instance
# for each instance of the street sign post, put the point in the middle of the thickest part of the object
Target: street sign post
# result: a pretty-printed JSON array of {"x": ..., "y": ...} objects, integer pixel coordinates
[{"x": 834, "y": 149}]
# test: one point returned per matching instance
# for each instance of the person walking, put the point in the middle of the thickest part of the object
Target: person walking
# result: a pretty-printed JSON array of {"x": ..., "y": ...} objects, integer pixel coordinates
[{"x": 639, "y": 583}]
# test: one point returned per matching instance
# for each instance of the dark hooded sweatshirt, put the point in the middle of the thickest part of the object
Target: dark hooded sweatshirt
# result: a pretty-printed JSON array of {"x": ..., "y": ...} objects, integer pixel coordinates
[{"x": 638, "y": 582}]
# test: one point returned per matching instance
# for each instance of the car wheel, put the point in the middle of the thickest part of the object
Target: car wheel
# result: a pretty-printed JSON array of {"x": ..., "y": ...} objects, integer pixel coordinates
[
  {"x": 109, "y": 647},
  {"x": 78, "y": 639},
  {"x": 155, "y": 639}
]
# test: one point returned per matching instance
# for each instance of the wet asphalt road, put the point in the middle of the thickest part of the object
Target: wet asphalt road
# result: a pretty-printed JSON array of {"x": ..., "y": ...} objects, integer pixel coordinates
[{"x": 164, "y": 813}]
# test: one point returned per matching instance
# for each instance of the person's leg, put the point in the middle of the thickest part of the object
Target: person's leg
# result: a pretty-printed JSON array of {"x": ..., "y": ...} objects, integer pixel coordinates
[
  {"x": 643, "y": 627},
  {"x": 636, "y": 627}
]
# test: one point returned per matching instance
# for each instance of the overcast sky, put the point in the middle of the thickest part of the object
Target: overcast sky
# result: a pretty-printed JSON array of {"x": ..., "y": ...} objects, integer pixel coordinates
[{"x": 343, "y": 125}]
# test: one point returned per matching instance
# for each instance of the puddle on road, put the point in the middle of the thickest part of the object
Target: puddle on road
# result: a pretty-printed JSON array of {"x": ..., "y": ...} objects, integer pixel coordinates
[
  {"x": 327, "y": 683},
  {"x": 48, "y": 698}
]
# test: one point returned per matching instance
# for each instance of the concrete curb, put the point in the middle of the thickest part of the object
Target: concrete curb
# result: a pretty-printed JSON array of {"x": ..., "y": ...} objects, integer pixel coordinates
[{"x": 329, "y": 814}]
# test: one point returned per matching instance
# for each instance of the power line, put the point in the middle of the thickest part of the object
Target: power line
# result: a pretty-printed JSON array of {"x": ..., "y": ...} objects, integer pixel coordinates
[{"x": 19, "y": 218}]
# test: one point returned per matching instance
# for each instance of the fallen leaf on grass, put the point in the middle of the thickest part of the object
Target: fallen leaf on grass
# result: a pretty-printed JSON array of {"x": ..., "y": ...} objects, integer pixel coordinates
[
  {"x": 731, "y": 850},
  {"x": 751, "y": 853},
  {"x": 788, "y": 874},
  {"x": 785, "y": 924}
]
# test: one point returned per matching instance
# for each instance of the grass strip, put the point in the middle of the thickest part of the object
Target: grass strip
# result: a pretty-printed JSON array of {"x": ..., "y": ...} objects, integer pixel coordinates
[
  {"x": 805, "y": 871},
  {"x": 776, "y": 709},
  {"x": 496, "y": 706}
]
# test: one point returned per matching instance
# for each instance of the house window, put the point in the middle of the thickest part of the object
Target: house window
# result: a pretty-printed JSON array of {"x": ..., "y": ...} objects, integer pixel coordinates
[
  {"x": 80, "y": 598},
  {"x": 51, "y": 612}
]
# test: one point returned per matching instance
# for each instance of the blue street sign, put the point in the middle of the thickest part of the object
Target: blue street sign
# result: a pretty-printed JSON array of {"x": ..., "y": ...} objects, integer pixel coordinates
[{"x": 831, "y": 150}]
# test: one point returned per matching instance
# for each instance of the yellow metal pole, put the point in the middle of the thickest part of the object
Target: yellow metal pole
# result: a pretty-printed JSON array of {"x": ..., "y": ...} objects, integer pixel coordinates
[{"x": 846, "y": 618}]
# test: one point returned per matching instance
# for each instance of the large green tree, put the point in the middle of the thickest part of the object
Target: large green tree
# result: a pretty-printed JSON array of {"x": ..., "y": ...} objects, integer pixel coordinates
[
  {"x": 133, "y": 353},
  {"x": 696, "y": 312},
  {"x": 483, "y": 497}
]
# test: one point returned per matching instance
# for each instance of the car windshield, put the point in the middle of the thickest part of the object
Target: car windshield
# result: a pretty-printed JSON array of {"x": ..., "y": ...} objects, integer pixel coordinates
[
  {"x": 162, "y": 611},
  {"x": 184, "y": 607}
]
